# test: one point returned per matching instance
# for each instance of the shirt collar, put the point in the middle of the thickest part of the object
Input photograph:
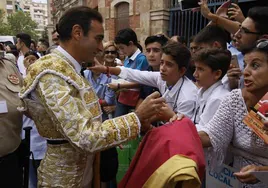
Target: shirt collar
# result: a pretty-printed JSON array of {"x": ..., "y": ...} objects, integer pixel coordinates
[
  {"x": 176, "y": 87},
  {"x": 76, "y": 65},
  {"x": 133, "y": 57},
  {"x": 205, "y": 94}
]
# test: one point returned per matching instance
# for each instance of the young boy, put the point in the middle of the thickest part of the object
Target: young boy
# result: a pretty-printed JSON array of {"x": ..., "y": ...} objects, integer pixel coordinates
[
  {"x": 127, "y": 42},
  {"x": 153, "y": 52},
  {"x": 179, "y": 91},
  {"x": 211, "y": 65}
]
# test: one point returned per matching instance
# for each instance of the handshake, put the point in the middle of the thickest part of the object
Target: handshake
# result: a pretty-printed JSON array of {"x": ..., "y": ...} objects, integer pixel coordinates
[{"x": 153, "y": 108}]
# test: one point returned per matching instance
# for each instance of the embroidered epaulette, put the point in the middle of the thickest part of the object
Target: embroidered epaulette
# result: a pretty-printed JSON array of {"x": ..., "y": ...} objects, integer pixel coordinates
[{"x": 50, "y": 64}]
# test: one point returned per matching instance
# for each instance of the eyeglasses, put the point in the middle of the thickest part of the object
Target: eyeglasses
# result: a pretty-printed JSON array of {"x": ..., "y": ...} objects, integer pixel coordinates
[
  {"x": 244, "y": 30},
  {"x": 110, "y": 52}
]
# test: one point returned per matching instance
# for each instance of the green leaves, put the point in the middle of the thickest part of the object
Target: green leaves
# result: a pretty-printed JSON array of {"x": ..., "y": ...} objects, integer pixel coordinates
[{"x": 16, "y": 23}]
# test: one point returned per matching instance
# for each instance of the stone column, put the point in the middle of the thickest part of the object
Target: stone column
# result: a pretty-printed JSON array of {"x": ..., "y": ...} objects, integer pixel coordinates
[
  {"x": 143, "y": 9},
  {"x": 159, "y": 17}
]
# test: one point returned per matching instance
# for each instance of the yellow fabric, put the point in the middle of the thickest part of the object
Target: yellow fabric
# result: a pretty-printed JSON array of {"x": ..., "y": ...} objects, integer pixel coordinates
[
  {"x": 176, "y": 169},
  {"x": 65, "y": 106}
]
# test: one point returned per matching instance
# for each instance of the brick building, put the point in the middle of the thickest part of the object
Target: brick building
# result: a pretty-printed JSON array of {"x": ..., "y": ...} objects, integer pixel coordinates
[{"x": 146, "y": 17}]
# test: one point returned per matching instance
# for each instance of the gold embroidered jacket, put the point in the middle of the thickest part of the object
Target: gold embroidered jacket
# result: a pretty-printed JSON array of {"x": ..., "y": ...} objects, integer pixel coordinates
[{"x": 64, "y": 106}]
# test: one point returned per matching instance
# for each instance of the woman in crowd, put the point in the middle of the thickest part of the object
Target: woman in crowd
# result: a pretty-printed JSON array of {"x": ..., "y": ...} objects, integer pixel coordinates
[
  {"x": 227, "y": 129},
  {"x": 111, "y": 54}
]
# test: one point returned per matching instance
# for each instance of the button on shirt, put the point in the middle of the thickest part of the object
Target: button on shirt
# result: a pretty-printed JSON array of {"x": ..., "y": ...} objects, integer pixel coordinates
[
  {"x": 185, "y": 102},
  {"x": 207, "y": 103}
]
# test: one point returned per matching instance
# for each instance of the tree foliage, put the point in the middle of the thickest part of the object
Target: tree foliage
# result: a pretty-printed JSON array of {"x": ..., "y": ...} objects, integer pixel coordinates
[{"x": 18, "y": 22}]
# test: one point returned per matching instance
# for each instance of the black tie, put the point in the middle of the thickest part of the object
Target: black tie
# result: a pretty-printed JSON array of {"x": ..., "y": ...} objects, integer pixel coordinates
[{"x": 82, "y": 72}]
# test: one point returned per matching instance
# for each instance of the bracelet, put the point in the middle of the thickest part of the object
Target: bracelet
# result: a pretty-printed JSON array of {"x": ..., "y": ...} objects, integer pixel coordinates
[
  {"x": 108, "y": 71},
  {"x": 101, "y": 102},
  {"x": 118, "y": 86}
]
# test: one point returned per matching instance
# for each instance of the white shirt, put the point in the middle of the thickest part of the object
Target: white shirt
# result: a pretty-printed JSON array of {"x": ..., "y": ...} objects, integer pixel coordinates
[
  {"x": 133, "y": 57},
  {"x": 207, "y": 103},
  {"x": 21, "y": 66},
  {"x": 76, "y": 65},
  {"x": 181, "y": 98}
]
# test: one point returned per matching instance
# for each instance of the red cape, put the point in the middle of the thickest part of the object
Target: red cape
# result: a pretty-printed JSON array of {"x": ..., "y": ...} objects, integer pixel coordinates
[{"x": 159, "y": 145}]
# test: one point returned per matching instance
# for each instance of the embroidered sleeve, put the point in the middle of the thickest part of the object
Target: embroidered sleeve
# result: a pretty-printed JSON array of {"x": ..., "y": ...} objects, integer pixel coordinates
[
  {"x": 220, "y": 130},
  {"x": 77, "y": 121}
]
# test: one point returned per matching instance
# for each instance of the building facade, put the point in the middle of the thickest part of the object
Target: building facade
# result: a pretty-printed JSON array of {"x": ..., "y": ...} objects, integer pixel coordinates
[
  {"x": 145, "y": 17},
  {"x": 9, "y": 6},
  {"x": 38, "y": 12}
]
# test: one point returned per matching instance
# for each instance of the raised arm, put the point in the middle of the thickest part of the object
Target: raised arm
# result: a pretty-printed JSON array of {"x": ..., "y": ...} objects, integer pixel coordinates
[
  {"x": 229, "y": 25},
  {"x": 133, "y": 75}
]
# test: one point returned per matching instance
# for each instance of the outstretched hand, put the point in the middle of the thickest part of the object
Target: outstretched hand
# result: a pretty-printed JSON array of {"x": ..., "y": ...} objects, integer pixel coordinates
[{"x": 98, "y": 67}]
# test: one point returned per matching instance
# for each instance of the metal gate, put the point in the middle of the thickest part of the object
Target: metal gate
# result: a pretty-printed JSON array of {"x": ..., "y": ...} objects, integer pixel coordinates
[{"x": 188, "y": 23}]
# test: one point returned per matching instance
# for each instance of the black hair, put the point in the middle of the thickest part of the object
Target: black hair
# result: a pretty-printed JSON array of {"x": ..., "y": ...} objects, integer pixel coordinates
[
  {"x": 2, "y": 48},
  {"x": 211, "y": 34},
  {"x": 161, "y": 39},
  {"x": 13, "y": 50},
  {"x": 54, "y": 31},
  {"x": 82, "y": 16},
  {"x": 260, "y": 16},
  {"x": 25, "y": 38},
  {"x": 178, "y": 52},
  {"x": 260, "y": 46},
  {"x": 44, "y": 42},
  {"x": 216, "y": 59},
  {"x": 125, "y": 36},
  {"x": 139, "y": 47},
  {"x": 32, "y": 41},
  {"x": 192, "y": 39},
  {"x": 31, "y": 53}
]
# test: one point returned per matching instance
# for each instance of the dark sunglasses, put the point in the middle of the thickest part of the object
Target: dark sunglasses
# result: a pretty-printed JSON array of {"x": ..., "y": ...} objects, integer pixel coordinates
[{"x": 112, "y": 52}]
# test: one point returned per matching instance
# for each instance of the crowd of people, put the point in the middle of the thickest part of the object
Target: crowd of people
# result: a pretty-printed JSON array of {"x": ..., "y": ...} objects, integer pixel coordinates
[{"x": 84, "y": 97}]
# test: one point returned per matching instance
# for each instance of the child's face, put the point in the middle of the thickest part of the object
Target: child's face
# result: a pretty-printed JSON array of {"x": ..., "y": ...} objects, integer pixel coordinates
[
  {"x": 153, "y": 54},
  {"x": 127, "y": 50},
  {"x": 204, "y": 75},
  {"x": 169, "y": 70}
]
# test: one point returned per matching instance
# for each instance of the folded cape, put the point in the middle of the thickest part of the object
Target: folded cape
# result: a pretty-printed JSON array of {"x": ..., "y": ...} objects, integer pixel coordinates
[{"x": 168, "y": 156}]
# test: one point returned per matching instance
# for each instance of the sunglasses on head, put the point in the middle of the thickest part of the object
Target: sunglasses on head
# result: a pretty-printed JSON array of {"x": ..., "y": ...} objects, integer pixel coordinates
[
  {"x": 110, "y": 52},
  {"x": 262, "y": 44}
]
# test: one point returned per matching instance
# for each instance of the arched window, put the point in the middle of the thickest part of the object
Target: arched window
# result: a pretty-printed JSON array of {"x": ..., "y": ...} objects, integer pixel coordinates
[{"x": 122, "y": 16}]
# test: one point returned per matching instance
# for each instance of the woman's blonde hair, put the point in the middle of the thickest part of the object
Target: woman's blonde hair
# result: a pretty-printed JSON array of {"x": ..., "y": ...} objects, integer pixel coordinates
[{"x": 108, "y": 44}]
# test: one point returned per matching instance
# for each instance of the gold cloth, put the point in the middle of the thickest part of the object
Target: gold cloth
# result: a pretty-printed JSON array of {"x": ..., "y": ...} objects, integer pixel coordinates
[{"x": 64, "y": 106}]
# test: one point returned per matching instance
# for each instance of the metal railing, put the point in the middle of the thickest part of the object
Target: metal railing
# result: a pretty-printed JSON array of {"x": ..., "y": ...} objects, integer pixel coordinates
[{"x": 187, "y": 23}]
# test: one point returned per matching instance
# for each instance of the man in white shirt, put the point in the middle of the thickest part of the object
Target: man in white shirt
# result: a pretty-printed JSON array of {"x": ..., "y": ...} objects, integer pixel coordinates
[
  {"x": 178, "y": 90},
  {"x": 23, "y": 45}
]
